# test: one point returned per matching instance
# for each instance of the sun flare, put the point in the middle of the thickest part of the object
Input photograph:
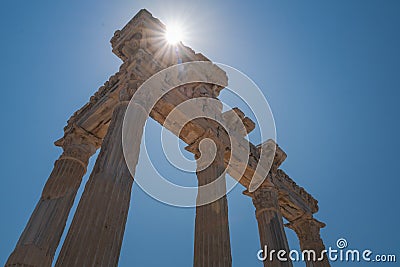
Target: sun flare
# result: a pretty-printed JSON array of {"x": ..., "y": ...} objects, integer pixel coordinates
[{"x": 174, "y": 34}]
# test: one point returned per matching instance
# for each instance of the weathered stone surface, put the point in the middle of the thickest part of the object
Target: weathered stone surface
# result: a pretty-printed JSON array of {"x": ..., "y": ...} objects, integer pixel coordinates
[
  {"x": 268, "y": 212},
  {"x": 237, "y": 122},
  {"x": 270, "y": 224},
  {"x": 308, "y": 231},
  {"x": 142, "y": 35},
  {"x": 212, "y": 241},
  {"x": 96, "y": 233},
  {"x": 39, "y": 241}
]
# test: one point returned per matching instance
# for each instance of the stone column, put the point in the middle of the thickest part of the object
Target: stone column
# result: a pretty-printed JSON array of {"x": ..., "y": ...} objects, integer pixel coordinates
[
  {"x": 96, "y": 233},
  {"x": 308, "y": 231},
  {"x": 39, "y": 240},
  {"x": 270, "y": 225},
  {"x": 212, "y": 241}
]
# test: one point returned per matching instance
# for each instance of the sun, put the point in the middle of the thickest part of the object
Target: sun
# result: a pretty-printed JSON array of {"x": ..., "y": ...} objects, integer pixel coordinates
[{"x": 174, "y": 34}]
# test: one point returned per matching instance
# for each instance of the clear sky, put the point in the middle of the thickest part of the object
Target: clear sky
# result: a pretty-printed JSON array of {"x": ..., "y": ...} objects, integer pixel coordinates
[{"x": 329, "y": 69}]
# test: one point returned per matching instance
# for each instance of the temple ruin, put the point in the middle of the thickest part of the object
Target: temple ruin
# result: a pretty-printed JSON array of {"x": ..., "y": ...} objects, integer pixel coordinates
[{"x": 96, "y": 232}]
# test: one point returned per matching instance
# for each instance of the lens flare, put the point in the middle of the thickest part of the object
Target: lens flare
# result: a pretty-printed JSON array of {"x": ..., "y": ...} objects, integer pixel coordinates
[{"x": 174, "y": 34}]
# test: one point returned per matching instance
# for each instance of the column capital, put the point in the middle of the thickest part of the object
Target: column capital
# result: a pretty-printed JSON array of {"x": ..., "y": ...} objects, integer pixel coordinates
[
  {"x": 265, "y": 197},
  {"x": 267, "y": 184},
  {"x": 42, "y": 234},
  {"x": 132, "y": 82},
  {"x": 78, "y": 144},
  {"x": 214, "y": 135},
  {"x": 307, "y": 229},
  {"x": 103, "y": 208},
  {"x": 269, "y": 218},
  {"x": 136, "y": 71}
]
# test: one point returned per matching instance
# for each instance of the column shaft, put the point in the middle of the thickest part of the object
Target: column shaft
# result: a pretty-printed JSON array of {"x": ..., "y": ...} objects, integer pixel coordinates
[
  {"x": 270, "y": 225},
  {"x": 42, "y": 234},
  {"x": 212, "y": 241},
  {"x": 96, "y": 233},
  {"x": 308, "y": 231}
]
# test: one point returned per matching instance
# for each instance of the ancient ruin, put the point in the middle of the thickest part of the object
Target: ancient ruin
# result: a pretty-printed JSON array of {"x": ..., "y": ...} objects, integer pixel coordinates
[{"x": 96, "y": 233}]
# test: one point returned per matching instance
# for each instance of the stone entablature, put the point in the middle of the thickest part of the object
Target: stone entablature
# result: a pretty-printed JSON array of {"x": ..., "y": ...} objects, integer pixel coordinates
[{"x": 95, "y": 116}]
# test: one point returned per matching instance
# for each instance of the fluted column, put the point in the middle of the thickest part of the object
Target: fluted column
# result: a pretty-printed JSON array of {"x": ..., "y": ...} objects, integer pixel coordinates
[
  {"x": 270, "y": 225},
  {"x": 40, "y": 238},
  {"x": 308, "y": 231},
  {"x": 96, "y": 233},
  {"x": 212, "y": 241}
]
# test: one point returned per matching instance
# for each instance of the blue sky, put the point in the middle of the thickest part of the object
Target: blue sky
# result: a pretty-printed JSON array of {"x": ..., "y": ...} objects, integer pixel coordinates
[{"x": 330, "y": 71}]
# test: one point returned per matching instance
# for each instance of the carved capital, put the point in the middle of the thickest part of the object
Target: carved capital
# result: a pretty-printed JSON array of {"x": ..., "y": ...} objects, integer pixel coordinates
[
  {"x": 212, "y": 135},
  {"x": 209, "y": 151},
  {"x": 307, "y": 229},
  {"x": 265, "y": 198},
  {"x": 130, "y": 86},
  {"x": 141, "y": 67},
  {"x": 78, "y": 145}
]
